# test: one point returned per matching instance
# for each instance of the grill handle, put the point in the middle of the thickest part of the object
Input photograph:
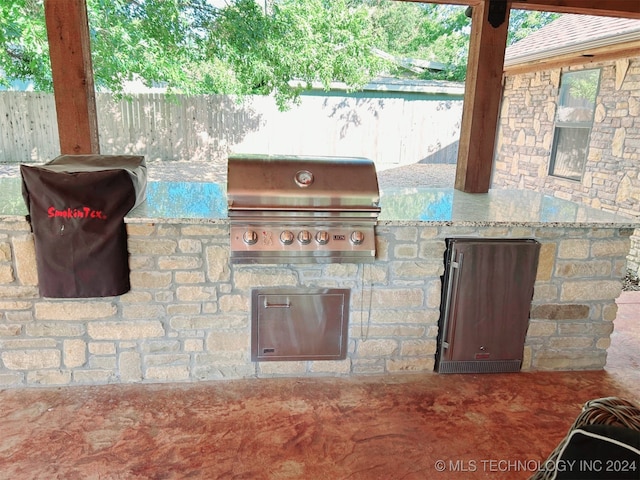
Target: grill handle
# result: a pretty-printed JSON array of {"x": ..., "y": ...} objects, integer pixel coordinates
[{"x": 345, "y": 209}]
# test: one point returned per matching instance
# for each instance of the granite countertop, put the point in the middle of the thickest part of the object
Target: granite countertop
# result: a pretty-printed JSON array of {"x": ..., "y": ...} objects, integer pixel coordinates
[
  {"x": 497, "y": 207},
  {"x": 199, "y": 202}
]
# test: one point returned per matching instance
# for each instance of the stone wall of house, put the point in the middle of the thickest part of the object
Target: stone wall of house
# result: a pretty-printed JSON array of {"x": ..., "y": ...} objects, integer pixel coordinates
[
  {"x": 187, "y": 316},
  {"x": 611, "y": 179}
]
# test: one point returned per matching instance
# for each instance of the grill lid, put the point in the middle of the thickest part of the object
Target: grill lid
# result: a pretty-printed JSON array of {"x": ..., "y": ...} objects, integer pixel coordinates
[{"x": 268, "y": 182}]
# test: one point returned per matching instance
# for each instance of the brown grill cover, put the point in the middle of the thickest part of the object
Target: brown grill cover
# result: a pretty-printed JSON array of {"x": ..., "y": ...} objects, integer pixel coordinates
[{"x": 77, "y": 217}]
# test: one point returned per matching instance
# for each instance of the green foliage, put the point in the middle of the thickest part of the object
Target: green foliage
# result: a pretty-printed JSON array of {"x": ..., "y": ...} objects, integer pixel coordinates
[
  {"x": 438, "y": 33},
  {"x": 158, "y": 41},
  {"x": 277, "y": 47},
  {"x": 441, "y": 33},
  {"x": 23, "y": 43},
  {"x": 311, "y": 41},
  {"x": 445, "y": 31},
  {"x": 524, "y": 22}
]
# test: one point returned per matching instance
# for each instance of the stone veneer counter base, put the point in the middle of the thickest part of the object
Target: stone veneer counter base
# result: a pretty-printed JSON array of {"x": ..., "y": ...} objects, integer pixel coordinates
[{"x": 187, "y": 316}]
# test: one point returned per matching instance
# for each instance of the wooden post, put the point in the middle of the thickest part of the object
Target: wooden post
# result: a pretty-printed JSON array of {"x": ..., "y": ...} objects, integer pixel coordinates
[
  {"x": 483, "y": 92},
  {"x": 73, "y": 87}
]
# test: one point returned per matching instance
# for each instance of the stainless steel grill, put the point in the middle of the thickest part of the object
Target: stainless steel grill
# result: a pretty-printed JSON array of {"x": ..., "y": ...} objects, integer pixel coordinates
[{"x": 297, "y": 209}]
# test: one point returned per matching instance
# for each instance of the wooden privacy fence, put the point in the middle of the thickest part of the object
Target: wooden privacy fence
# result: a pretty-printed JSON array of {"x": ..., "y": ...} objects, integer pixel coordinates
[{"x": 391, "y": 131}]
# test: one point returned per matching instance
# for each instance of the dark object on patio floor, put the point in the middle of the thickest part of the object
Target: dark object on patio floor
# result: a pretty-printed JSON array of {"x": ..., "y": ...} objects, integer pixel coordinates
[{"x": 602, "y": 443}]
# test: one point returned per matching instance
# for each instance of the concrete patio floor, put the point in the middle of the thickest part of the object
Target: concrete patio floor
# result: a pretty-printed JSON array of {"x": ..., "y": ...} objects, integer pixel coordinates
[{"x": 492, "y": 426}]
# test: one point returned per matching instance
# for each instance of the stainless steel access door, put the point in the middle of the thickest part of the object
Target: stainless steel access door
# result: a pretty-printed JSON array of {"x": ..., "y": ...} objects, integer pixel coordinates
[{"x": 299, "y": 324}]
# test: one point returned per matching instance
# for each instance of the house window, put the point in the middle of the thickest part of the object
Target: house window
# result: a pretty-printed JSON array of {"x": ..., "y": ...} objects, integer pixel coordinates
[{"x": 574, "y": 119}]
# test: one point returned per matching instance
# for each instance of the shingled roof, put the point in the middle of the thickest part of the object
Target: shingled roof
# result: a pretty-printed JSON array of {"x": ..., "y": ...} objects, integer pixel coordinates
[{"x": 570, "y": 34}]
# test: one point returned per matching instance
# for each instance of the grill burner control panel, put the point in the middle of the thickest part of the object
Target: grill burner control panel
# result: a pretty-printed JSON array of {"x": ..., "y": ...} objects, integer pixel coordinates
[{"x": 288, "y": 240}]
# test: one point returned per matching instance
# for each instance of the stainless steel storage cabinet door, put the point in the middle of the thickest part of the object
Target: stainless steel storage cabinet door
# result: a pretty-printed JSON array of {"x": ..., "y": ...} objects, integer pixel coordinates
[{"x": 299, "y": 324}]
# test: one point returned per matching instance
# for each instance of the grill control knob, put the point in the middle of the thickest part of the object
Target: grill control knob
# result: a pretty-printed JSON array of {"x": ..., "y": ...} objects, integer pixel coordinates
[
  {"x": 357, "y": 237},
  {"x": 250, "y": 237},
  {"x": 287, "y": 237},
  {"x": 322, "y": 237},
  {"x": 304, "y": 237}
]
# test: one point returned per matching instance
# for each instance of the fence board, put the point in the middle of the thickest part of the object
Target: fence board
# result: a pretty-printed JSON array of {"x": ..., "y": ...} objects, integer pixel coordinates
[{"x": 391, "y": 131}]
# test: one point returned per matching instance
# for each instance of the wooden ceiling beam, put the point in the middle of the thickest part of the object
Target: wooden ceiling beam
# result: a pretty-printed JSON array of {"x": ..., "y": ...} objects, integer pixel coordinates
[
  {"x": 445, "y": 2},
  {"x": 72, "y": 73},
  {"x": 606, "y": 8}
]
